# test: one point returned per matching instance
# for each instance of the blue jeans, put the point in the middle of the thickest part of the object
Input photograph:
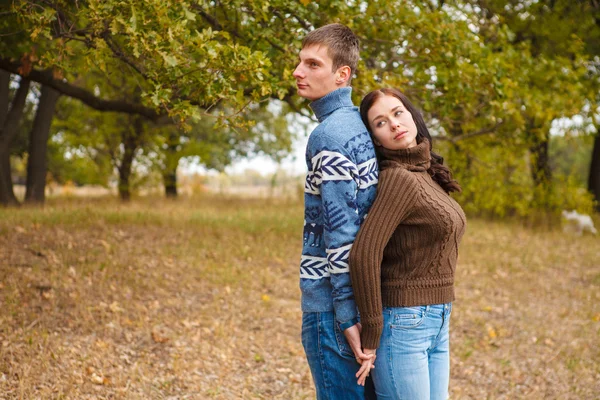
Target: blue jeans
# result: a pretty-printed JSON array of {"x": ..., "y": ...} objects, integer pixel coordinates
[
  {"x": 413, "y": 359},
  {"x": 330, "y": 358}
]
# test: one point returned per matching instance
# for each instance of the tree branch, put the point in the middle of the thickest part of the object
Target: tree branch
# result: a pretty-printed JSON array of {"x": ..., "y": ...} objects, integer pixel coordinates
[
  {"x": 85, "y": 96},
  {"x": 213, "y": 21},
  {"x": 305, "y": 24},
  {"x": 120, "y": 55}
]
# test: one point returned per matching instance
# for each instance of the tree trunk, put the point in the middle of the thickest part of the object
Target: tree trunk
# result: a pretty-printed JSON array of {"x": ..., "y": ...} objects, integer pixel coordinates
[
  {"x": 4, "y": 94},
  {"x": 171, "y": 164},
  {"x": 541, "y": 173},
  {"x": 9, "y": 126},
  {"x": 594, "y": 179},
  {"x": 124, "y": 174},
  {"x": 38, "y": 146},
  {"x": 130, "y": 140},
  {"x": 170, "y": 180},
  {"x": 540, "y": 169}
]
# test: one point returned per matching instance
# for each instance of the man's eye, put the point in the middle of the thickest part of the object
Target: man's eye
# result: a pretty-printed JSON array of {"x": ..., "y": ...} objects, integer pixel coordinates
[{"x": 314, "y": 64}]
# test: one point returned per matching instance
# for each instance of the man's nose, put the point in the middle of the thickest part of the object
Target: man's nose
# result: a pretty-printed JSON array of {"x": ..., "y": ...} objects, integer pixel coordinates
[{"x": 298, "y": 74}]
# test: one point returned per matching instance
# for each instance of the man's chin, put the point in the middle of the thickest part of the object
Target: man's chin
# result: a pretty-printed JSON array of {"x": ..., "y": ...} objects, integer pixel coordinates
[{"x": 304, "y": 94}]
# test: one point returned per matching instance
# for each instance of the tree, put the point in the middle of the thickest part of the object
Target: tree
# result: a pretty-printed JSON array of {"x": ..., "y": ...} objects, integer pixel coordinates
[
  {"x": 560, "y": 32},
  {"x": 38, "y": 145},
  {"x": 180, "y": 65},
  {"x": 9, "y": 125},
  {"x": 487, "y": 93}
]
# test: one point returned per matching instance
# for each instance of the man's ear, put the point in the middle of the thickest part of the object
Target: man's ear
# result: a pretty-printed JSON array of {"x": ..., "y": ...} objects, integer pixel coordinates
[{"x": 343, "y": 75}]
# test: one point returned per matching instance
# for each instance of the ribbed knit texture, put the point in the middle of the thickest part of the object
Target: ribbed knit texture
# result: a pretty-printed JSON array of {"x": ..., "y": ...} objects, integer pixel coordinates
[{"x": 406, "y": 250}]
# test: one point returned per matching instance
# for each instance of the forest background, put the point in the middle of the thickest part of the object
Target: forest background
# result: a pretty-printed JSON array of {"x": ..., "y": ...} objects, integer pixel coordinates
[
  {"x": 125, "y": 93},
  {"x": 123, "y": 292}
]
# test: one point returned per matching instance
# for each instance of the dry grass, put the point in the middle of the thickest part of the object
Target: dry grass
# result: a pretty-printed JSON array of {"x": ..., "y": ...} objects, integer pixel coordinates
[{"x": 199, "y": 299}]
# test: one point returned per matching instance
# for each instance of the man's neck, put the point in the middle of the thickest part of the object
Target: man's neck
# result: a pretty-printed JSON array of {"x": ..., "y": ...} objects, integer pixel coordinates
[{"x": 332, "y": 101}]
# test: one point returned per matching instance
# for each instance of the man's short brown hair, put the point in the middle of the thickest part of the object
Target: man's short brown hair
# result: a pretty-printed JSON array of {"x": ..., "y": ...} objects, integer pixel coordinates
[{"x": 342, "y": 45}]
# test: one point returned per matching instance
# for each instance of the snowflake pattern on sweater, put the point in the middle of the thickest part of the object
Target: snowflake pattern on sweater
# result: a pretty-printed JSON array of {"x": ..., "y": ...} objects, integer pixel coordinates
[{"x": 340, "y": 187}]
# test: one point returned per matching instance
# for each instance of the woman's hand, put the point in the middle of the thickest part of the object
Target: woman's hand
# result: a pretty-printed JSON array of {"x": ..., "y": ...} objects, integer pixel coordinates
[{"x": 366, "y": 366}]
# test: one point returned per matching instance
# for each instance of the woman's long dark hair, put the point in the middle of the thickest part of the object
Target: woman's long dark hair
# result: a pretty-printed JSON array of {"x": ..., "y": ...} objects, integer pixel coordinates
[{"x": 438, "y": 171}]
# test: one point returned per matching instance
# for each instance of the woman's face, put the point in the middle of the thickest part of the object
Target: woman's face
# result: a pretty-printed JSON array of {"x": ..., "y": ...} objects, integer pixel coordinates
[{"x": 391, "y": 124}]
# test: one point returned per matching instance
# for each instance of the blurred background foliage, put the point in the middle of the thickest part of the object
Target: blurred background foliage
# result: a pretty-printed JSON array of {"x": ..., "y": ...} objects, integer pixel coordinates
[{"x": 509, "y": 89}]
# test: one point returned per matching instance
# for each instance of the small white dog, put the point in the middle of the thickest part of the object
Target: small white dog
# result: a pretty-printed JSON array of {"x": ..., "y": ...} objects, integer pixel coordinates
[{"x": 578, "y": 223}]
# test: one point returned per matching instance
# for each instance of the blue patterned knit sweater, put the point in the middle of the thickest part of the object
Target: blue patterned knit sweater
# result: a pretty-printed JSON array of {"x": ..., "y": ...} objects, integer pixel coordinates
[{"x": 340, "y": 187}]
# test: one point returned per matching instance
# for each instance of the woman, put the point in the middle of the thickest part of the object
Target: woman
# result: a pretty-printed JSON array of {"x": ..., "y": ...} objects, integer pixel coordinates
[{"x": 403, "y": 260}]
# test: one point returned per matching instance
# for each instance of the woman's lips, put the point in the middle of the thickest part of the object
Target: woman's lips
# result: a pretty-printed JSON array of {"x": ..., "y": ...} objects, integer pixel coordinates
[{"x": 400, "y": 135}]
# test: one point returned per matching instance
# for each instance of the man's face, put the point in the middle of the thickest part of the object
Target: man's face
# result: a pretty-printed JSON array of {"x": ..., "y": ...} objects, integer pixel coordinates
[{"x": 314, "y": 76}]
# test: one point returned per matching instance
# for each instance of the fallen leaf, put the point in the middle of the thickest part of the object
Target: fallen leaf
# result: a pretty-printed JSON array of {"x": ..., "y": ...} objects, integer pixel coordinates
[
  {"x": 49, "y": 294},
  {"x": 160, "y": 334},
  {"x": 97, "y": 379},
  {"x": 105, "y": 244},
  {"x": 114, "y": 307}
]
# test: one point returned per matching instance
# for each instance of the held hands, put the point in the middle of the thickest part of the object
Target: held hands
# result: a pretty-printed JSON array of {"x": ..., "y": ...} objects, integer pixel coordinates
[
  {"x": 366, "y": 366},
  {"x": 365, "y": 360}
]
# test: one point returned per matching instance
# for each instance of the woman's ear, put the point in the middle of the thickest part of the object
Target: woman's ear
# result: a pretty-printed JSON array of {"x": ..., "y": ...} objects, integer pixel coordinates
[{"x": 376, "y": 142}]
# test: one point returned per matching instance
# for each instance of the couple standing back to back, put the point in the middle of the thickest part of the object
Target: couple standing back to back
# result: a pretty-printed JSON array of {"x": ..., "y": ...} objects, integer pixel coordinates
[{"x": 401, "y": 263}]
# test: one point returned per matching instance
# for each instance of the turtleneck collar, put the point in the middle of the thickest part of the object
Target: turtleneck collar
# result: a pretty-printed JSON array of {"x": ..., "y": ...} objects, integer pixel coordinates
[
  {"x": 416, "y": 158},
  {"x": 327, "y": 104}
]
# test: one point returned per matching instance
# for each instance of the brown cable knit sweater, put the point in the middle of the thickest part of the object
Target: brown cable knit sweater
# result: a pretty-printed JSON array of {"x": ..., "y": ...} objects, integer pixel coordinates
[{"x": 406, "y": 250}]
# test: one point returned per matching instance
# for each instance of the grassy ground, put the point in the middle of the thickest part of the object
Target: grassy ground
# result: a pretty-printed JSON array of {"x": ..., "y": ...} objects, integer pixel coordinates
[{"x": 199, "y": 299}]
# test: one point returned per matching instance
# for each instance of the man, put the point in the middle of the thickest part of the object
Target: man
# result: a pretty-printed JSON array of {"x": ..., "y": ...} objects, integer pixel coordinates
[{"x": 339, "y": 189}]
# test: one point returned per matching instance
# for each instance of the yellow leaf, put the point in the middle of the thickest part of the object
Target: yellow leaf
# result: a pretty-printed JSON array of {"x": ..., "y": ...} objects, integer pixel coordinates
[
  {"x": 305, "y": 2},
  {"x": 98, "y": 379},
  {"x": 105, "y": 244},
  {"x": 266, "y": 298},
  {"x": 492, "y": 333}
]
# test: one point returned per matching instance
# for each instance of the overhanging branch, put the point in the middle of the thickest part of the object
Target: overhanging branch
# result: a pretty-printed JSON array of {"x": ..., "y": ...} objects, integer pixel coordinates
[{"x": 85, "y": 96}]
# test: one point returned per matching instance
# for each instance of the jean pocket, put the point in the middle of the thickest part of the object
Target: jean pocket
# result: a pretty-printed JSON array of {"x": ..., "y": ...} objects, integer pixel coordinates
[
  {"x": 408, "y": 317},
  {"x": 342, "y": 343}
]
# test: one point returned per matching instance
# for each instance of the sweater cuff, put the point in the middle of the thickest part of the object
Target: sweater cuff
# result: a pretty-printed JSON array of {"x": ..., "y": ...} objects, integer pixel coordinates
[
  {"x": 346, "y": 314},
  {"x": 370, "y": 335}
]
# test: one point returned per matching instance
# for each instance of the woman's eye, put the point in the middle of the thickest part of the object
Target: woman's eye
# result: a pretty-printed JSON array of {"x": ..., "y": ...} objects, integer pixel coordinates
[
  {"x": 379, "y": 124},
  {"x": 399, "y": 112}
]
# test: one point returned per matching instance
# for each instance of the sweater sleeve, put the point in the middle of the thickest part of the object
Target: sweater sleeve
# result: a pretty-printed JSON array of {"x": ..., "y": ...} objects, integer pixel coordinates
[
  {"x": 396, "y": 195},
  {"x": 337, "y": 174}
]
